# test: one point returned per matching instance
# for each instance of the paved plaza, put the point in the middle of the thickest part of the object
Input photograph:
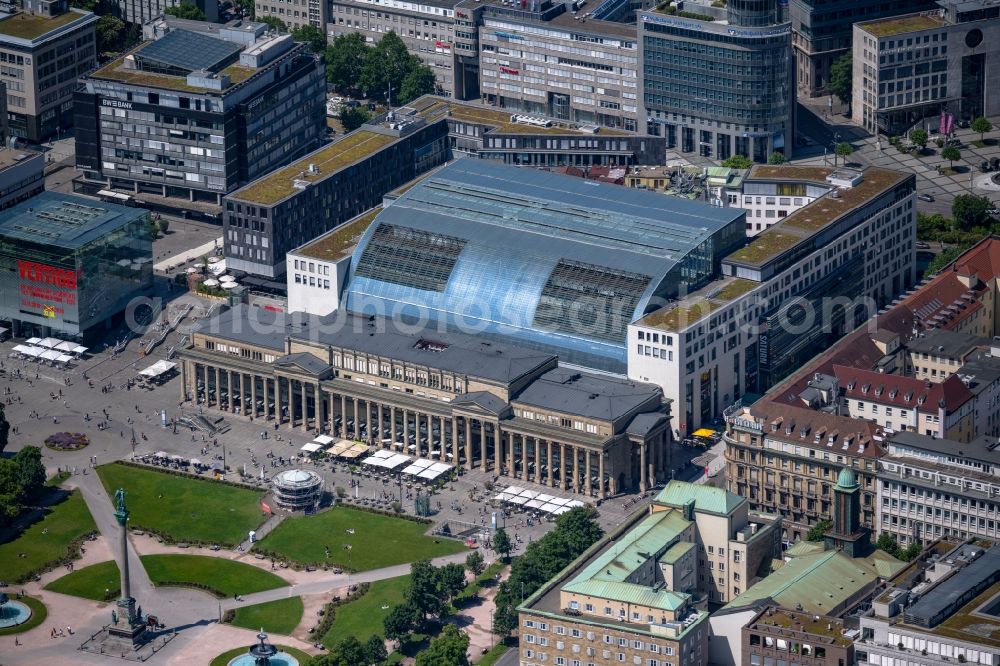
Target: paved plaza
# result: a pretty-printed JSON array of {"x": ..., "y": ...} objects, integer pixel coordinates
[{"x": 41, "y": 400}]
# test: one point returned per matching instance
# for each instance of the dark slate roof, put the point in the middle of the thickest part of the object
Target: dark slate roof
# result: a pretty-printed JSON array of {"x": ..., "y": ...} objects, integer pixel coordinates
[
  {"x": 249, "y": 325},
  {"x": 982, "y": 448},
  {"x": 955, "y": 590},
  {"x": 304, "y": 361},
  {"x": 588, "y": 395},
  {"x": 453, "y": 352},
  {"x": 190, "y": 50},
  {"x": 483, "y": 399},
  {"x": 642, "y": 424},
  {"x": 943, "y": 342}
]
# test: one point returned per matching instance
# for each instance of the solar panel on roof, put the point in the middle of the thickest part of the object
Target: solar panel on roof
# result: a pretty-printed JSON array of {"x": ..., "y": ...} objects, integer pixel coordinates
[{"x": 189, "y": 50}]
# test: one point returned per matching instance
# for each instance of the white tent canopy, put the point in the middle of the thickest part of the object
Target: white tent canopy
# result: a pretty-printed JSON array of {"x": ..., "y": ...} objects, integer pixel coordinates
[
  {"x": 311, "y": 447},
  {"x": 324, "y": 439},
  {"x": 157, "y": 369},
  {"x": 33, "y": 341},
  {"x": 49, "y": 343},
  {"x": 65, "y": 346}
]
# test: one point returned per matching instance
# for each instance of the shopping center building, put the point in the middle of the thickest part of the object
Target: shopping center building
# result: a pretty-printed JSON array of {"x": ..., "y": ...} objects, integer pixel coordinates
[{"x": 69, "y": 265}]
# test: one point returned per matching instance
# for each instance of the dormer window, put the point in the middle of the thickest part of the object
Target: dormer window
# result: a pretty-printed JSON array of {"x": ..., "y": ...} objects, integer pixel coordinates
[{"x": 865, "y": 387}]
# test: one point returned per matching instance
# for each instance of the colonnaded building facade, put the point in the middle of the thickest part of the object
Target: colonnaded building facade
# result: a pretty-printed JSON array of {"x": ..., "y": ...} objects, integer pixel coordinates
[{"x": 470, "y": 322}]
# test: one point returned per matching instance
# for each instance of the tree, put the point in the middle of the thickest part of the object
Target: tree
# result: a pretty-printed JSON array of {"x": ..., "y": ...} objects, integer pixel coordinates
[
  {"x": 353, "y": 117},
  {"x": 777, "y": 158},
  {"x": 919, "y": 138},
  {"x": 186, "y": 10},
  {"x": 86, "y": 5},
  {"x": 30, "y": 471},
  {"x": 385, "y": 66},
  {"x": 346, "y": 652},
  {"x": 738, "y": 162},
  {"x": 474, "y": 562},
  {"x": 345, "y": 57},
  {"x": 817, "y": 531},
  {"x": 424, "y": 592},
  {"x": 970, "y": 211},
  {"x": 164, "y": 225},
  {"x": 10, "y": 491},
  {"x": 841, "y": 78},
  {"x": 451, "y": 579},
  {"x": 843, "y": 149},
  {"x": 418, "y": 81},
  {"x": 4, "y": 429},
  {"x": 246, "y": 6},
  {"x": 951, "y": 153},
  {"x": 578, "y": 529},
  {"x": 887, "y": 543},
  {"x": 504, "y": 615},
  {"x": 910, "y": 553},
  {"x": 375, "y": 651},
  {"x": 110, "y": 31},
  {"x": 982, "y": 126},
  {"x": 450, "y": 647},
  {"x": 274, "y": 23},
  {"x": 312, "y": 37},
  {"x": 400, "y": 621},
  {"x": 501, "y": 543}
]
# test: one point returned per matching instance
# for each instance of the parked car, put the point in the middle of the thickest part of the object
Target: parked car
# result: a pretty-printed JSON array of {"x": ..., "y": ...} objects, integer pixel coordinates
[
  {"x": 925, "y": 197},
  {"x": 923, "y": 246}
]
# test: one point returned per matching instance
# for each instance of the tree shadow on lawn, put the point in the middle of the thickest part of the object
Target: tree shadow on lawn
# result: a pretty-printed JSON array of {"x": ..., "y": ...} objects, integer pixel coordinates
[{"x": 32, "y": 514}]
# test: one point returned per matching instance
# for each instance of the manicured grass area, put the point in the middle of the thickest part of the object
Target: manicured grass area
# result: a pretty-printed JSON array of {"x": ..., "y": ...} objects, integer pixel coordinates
[
  {"x": 378, "y": 541},
  {"x": 213, "y": 574},
  {"x": 185, "y": 508},
  {"x": 38, "y": 615},
  {"x": 47, "y": 541},
  {"x": 276, "y": 617},
  {"x": 90, "y": 582},
  {"x": 225, "y": 657},
  {"x": 493, "y": 655},
  {"x": 363, "y": 617}
]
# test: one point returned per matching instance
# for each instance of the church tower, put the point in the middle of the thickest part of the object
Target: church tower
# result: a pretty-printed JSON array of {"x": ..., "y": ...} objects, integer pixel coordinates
[{"x": 847, "y": 532}]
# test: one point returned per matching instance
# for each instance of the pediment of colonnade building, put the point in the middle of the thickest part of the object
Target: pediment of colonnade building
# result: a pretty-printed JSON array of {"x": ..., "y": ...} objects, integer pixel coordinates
[
  {"x": 481, "y": 404},
  {"x": 303, "y": 363}
]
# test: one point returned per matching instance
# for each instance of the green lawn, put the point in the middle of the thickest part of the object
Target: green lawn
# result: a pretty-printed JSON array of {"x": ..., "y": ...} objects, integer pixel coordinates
[
  {"x": 378, "y": 541},
  {"x": 185, "y": 508},
  {"x": 38, "y": 615},
  {"x": 220, "y": 576},
  {"x": 226, "y": 657},
  {"x": 487, "y": 578},
  {"x": 90, "y": 582},
  {"x": 493, "y": 655},
  {"x": 47, "y": 541},
  {"x": 277, "y": 617},
  {"x": 362, "y": 618}
]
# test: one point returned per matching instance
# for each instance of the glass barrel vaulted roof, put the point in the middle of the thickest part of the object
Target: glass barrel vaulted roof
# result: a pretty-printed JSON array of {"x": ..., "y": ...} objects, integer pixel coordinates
[{"x": 555, "y": 262}]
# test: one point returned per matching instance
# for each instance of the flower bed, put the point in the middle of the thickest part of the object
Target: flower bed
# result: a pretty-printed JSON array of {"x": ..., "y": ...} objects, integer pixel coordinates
[{"x": 67, "y": 441}]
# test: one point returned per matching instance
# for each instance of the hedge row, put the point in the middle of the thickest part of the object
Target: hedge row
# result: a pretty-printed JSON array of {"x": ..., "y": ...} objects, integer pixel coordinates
[
  {"x": 188, "y": 475},
  {"x": 330, "y": 611},
  {"x": 72, "y": 553},
  {"x": 199, "y": 586}
]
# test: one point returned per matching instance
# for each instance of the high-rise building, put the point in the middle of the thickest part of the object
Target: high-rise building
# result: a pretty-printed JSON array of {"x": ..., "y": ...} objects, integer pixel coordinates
[
  {"x": 921, "y": 69},
  {"x": 44, "y": 48},
  {"x": 184, "y": 119},
  {"x": 821, "y": 33},
  {"x": 720, "y": 85}
]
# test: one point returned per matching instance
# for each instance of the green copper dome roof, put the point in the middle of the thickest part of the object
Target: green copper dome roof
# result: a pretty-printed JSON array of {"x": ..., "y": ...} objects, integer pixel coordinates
[{"x": 847, "y": 480}]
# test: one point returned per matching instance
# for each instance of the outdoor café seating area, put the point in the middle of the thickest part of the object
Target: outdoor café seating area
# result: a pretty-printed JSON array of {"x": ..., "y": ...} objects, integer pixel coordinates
[
  {"x": 50, "y": 351},
  {"x": 515, "y": 497}
]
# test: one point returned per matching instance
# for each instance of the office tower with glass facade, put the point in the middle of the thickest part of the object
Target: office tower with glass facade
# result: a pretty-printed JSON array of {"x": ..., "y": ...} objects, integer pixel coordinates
[
  {"x": 184, "y": 119},
  {"x": 719, "y": 88},
  {"x": 69, "y": 265}
]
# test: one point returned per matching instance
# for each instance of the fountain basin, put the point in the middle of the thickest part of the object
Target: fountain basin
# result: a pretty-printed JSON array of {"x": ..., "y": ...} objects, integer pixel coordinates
[
  {"x": 14, "y": 613},
  {"x": 280, "y": 659}
]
